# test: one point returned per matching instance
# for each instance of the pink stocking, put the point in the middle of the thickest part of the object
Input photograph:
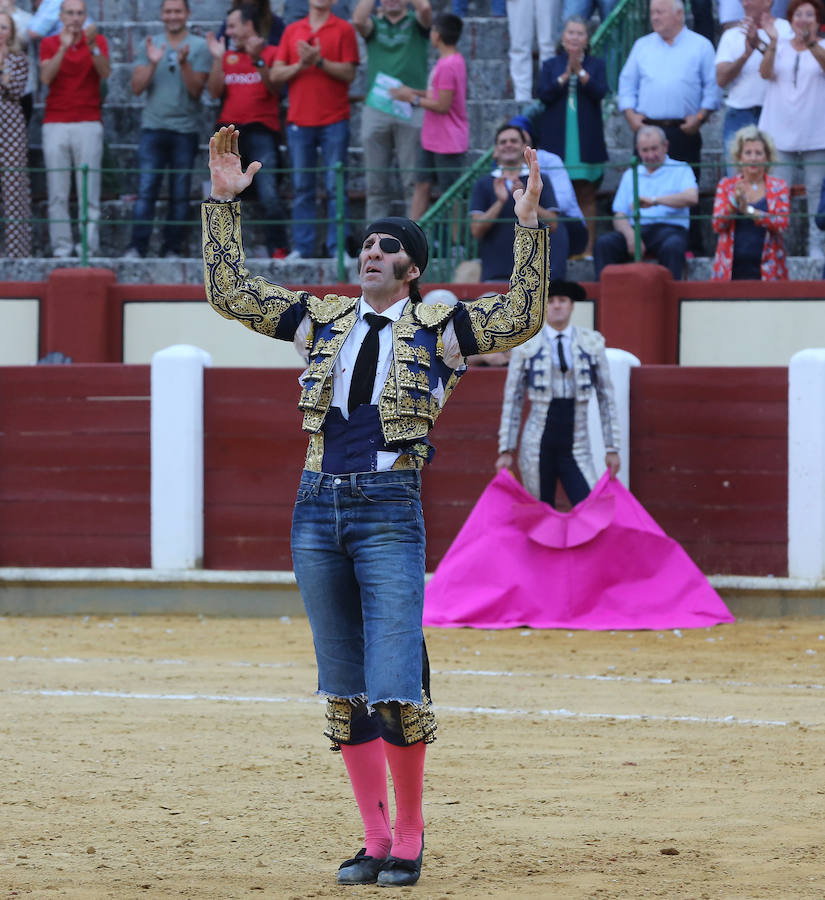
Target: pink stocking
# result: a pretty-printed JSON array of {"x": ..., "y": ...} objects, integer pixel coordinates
[
  {"x": 407, "y": 770},
  {"x": 367, "y": 770}
]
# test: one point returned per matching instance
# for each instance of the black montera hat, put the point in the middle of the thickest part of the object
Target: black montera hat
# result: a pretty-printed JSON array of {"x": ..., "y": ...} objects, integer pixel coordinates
[
  {"x": 571, "y": 289},
  {"x": 412, "y": 238}
]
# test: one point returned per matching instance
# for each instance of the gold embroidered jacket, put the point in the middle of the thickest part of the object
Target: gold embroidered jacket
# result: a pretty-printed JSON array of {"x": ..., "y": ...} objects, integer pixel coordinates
[{"x": 409, "y": 403}]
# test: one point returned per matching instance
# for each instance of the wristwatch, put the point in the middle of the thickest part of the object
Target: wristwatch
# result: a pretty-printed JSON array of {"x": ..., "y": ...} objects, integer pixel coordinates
[
  {"x": 751, "y": 210},
  {"x": 259, "y": 63},
  {"x": 320, "y": 63},
  {"x": 95, "y": 51},
  {"x": 416, "y": 100}
]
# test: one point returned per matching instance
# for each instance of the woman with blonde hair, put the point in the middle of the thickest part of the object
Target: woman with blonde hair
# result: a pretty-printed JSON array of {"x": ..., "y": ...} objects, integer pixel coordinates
[
  {"x": 14, "y": 177},
  {"x": 750, "y": 213}
]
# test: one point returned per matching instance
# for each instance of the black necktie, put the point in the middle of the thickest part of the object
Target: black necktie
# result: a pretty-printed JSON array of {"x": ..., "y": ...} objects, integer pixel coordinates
[
  {"x": 562, "y": 360},
  {"x": 363, "y": 372}
]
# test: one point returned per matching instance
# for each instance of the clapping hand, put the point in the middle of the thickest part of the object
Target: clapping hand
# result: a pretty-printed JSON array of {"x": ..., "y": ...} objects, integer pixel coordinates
[
  {"x": 228, "y": 176},
  {"x": 183, "y": 54},
  {"x": 217, "y": 47},
  {"x": 154, "y": 53}
]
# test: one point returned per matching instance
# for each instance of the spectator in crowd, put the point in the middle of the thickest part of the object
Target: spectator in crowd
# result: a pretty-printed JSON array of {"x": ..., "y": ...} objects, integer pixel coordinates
[
  {"x": 526, "y": 18},
  {"x": 570, "y": 238},
  {"x": 445, "y": 132},
  {"x": 299, "y": 9},
  {"x": 750, "y": 213},
  {"x": 667, "y": 190},
  {"x": 669, "y": 81},
  {"x": 73, "y": 64},
  {"x": 22, "y": 20},
  {"x": 397, "y": 38},
  {"x": 270, "y": 26},
  {"x": 171, "y": 69},
  {"x": 492, "y": 205},
  {"x": 584, "y": 9},
  {"x": 242, "y": 79},
  {"x": 731, "y": 12},
  {"x": 794, "y": 109},
  {"x": 559, "y": 369},
  {"x": 14, "y": 177},
  {"x": 737, "y": 69},
  {"x": 317, "y": 58},
  {"x": 571, "y": 87}
]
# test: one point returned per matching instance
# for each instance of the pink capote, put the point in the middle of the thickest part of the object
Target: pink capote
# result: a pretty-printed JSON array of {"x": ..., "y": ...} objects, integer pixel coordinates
[{"x": 604, "y": 565}]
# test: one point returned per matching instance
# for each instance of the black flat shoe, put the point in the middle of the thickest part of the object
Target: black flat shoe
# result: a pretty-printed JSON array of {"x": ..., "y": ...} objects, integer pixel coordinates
[
  {"x": 361, "y": 869},
  {"x": 398, "y": 872}
]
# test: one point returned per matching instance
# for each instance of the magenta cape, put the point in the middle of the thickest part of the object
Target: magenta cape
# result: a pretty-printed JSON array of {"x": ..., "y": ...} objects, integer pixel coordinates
[{"x": 604, "y": 565}]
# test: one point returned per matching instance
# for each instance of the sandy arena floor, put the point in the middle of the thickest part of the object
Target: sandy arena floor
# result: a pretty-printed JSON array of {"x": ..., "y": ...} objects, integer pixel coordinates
[{"x": 182, "y": 757}]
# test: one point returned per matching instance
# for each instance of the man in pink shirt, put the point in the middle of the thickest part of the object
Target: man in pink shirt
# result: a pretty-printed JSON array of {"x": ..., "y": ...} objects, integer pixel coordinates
[{"x": 445, "y": 134}]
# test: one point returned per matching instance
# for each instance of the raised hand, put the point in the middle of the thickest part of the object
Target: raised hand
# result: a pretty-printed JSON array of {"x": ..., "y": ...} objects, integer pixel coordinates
[
  {"x": 527, "y": 200},
  {"x": 183, "y": 54},
  {"x": 154, "y": 53},
  {"x": 216, "y": 47},
  {"x": 90, "y": 33},
  {"x": 228, "y": 176}
]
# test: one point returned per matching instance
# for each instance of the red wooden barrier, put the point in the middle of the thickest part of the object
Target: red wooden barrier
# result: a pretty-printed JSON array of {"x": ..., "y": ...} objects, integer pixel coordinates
[
  {"x": 709, "y": 461},
  {"x": 74, "y": 466}
]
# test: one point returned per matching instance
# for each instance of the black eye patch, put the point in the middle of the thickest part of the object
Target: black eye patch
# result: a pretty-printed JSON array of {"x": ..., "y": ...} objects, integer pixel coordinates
[{"x": 390, "y": 245}]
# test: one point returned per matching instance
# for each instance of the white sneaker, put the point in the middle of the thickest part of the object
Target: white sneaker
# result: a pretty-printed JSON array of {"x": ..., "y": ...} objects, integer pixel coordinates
[
  {"x": 132, "y": 253},
  {"x": 294, "y": 256},
  {"x": 62, "y": 253}
]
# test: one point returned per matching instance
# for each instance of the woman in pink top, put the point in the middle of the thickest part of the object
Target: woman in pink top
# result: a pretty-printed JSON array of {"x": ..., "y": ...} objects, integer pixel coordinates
[{"x": 445, "y": 134}]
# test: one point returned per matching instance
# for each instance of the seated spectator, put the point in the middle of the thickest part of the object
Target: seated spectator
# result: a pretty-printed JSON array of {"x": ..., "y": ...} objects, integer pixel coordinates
[
  {"x": 492, "y": 206},
  {"x": 793, "y": 111},
  {"x": 242, "y": 78},
  {"x": 171, "y": 69},
  {"x": 572, "y": 228},
  {"x": 571, "y": 87},
  {"x": 667, "y": 190},
  {"x": 750, "y": 213},
  {"x": 73, "y": 64},
  {"x": 397, "y": 35},
  {"x": 271, "y": 26},
  {"x": 445, "y": 131},
  {"x": 14, "y": 177}
]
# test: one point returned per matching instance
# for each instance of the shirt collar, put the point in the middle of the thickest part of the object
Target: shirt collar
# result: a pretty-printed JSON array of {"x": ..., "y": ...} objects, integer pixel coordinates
[
  {"x": 566, "y": 332},
  {"x": 497, "y": 173},
  {"x": 393, "y": 312}
]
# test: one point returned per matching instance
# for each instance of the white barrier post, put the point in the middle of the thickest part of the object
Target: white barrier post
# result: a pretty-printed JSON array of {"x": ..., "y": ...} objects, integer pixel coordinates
[
  {"x": 177, "y": 457},
  {"x": 806, "y": 464},
  {"x": 620, "y": 363}
]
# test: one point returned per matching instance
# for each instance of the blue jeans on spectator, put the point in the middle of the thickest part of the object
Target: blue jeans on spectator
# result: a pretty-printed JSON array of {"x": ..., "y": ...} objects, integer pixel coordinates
[
  {"x": 584, "y": 8},
  {"x": 734, "y": 120},
  {"x": 158, "y": 150},
  {"x": 667, "y": 242},
  {"x": 304, "y": 142},
  {"x": 497, "y": 7},
  {"x": 358, "y": 552},
  {"x": 257, "y": 142}
]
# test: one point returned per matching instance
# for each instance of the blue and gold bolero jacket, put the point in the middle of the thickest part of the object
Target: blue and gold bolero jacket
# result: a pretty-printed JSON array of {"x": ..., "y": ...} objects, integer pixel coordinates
[{"x": 419, "y": 381}]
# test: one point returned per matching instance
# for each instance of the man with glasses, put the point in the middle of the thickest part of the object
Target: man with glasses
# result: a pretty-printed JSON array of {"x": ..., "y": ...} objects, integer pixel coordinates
[
  {"x": 171, "y": 70},
  {"x": 381, "y": 367}
]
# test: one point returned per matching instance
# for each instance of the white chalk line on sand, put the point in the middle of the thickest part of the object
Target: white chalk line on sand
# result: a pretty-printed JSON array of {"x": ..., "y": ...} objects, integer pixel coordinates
[
  {"x": 475, "y": 673},
  {"x": 456, "y": 710}
]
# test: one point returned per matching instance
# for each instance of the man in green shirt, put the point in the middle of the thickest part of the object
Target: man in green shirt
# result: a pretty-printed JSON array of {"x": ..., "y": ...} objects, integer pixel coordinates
[{"x": 397, "y": 39}]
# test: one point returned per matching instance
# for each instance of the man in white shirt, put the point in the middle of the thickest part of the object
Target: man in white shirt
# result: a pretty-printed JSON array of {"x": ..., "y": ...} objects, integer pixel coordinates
[{"x": 737, "y": 69}]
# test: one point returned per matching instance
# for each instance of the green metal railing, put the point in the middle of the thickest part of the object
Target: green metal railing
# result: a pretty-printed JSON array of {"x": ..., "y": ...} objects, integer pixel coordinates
[
  {"x": 614, "y": 38},
  {"x": 447, "y": 222}
]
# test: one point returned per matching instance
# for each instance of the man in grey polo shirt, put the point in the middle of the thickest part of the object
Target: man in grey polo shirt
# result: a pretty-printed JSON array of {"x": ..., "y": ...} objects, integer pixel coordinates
[{"x": 172, "y": 69}]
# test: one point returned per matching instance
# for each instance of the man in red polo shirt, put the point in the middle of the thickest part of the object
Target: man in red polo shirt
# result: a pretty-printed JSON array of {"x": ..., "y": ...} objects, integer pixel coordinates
[
  {"x": 317, "y": 58},
  {"x": 241, "y": 77},
  {"x": 73, "y": 64}
]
